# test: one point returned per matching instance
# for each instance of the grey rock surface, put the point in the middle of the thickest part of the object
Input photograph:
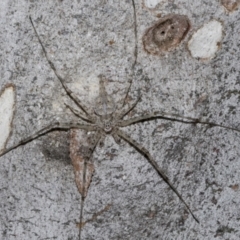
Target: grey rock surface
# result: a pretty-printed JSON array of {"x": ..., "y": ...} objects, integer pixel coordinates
[{"x": 38, "y": 195}]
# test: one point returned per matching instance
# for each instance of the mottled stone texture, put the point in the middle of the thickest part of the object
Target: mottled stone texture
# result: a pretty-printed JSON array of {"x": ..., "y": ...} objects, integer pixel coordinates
[{"x": 126, "y": 198}]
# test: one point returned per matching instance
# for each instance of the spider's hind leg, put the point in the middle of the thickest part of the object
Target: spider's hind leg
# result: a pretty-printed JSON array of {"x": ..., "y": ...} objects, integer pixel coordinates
[{"x": 160, "y": 172}]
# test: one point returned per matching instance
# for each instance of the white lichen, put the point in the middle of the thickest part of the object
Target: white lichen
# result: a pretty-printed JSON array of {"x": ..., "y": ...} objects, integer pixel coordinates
[
  {"x": 152, "y": 3},
  {"x": 205, "y": 41},
  {"x": 7, "y": 100}
]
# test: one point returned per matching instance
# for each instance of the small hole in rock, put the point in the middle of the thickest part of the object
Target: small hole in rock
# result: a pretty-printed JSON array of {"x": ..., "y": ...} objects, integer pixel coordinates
[{"x": 162, "y": 32}]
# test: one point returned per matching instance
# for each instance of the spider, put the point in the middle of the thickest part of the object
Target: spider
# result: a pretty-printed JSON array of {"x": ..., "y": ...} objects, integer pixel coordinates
[{"x": 107, "y": 119}]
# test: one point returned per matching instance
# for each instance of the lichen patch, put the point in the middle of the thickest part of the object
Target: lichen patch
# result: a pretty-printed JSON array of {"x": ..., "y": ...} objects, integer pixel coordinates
[
  {"x": 151, "y": 3},
  {"x": 206, "y": 41},
  {"x": 230, "y": 5},
  {"x": 166, "y": 34},
  {"x": 7, "y": 103}
]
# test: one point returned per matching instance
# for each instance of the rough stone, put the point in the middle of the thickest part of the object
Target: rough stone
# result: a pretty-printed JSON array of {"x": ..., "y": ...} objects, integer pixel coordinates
[{"x": 126, "y": 198}]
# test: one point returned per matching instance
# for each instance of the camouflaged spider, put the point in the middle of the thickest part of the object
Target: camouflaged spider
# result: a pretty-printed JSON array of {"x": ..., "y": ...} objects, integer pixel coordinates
[{"x": 106, "y": 119}]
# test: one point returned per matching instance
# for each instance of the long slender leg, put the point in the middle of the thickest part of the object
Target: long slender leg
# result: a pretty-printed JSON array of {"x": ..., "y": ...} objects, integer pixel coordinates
[
  {"x": 68, "y": 90},
  {"x": 93, "y": 143},
  {"x": 126, "y": 93},
  {"x": 135, "y": 54},
  {"x": 47, "y": 129},
  {"x": 172, "y": 117},
  {"x": 152, "y": 116},
  {"x": 125, "y": 112},
  {"x": 78, "y": 114},
  {"x": 146, "y": 154}
]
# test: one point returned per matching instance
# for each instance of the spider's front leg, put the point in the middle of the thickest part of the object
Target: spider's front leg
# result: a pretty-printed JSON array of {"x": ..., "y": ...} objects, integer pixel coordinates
[
  {"x": 47, "y": 129},
  {"x": 68, "y": 91},
  {"x": 147, "y": 155},
  {"x": 171, "y": 117}
]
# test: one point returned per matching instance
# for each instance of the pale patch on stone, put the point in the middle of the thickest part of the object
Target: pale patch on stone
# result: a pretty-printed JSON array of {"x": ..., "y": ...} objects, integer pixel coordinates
[
  {"x": 87, "y": 87},
  {"x": 7, "y": 101},
  {"x": 205, "y": 42},
  {"x": 152, "y": 3}
]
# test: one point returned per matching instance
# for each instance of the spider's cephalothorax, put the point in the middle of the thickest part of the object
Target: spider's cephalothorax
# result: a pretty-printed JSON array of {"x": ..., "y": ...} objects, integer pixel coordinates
[
  {"x": 104, "y": 108},
  {"x": 107, "y": 124}
]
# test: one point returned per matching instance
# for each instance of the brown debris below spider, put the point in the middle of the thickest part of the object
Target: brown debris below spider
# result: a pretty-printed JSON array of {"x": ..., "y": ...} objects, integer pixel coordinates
[
  {"x": 82, "y": 165},
  {"x": 166, "y": 34}
]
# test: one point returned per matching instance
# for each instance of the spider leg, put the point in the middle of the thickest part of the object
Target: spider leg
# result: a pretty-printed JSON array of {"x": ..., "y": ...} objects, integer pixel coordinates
[
  {"x": 78, "y": 114},
  {"x": 82, "y": 145},
  {"x": 69, "y": 92},
  {"x": 125, "y": 112},
  {"x": 135, "y": 55},
  {"x": 47, "y": 129},
  {"x": 171, "y": 117},
  {"x": 101, "y": 140},
  {"x": 116, "y": 138},
  {"x": 152, "y": 116},
  {"x": 146, "y": 154},
  {"x": 93, "y": 143}
]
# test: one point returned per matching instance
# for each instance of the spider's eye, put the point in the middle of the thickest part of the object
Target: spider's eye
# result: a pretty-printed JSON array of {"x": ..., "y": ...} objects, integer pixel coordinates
[{"x": 107, "y": 126}]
